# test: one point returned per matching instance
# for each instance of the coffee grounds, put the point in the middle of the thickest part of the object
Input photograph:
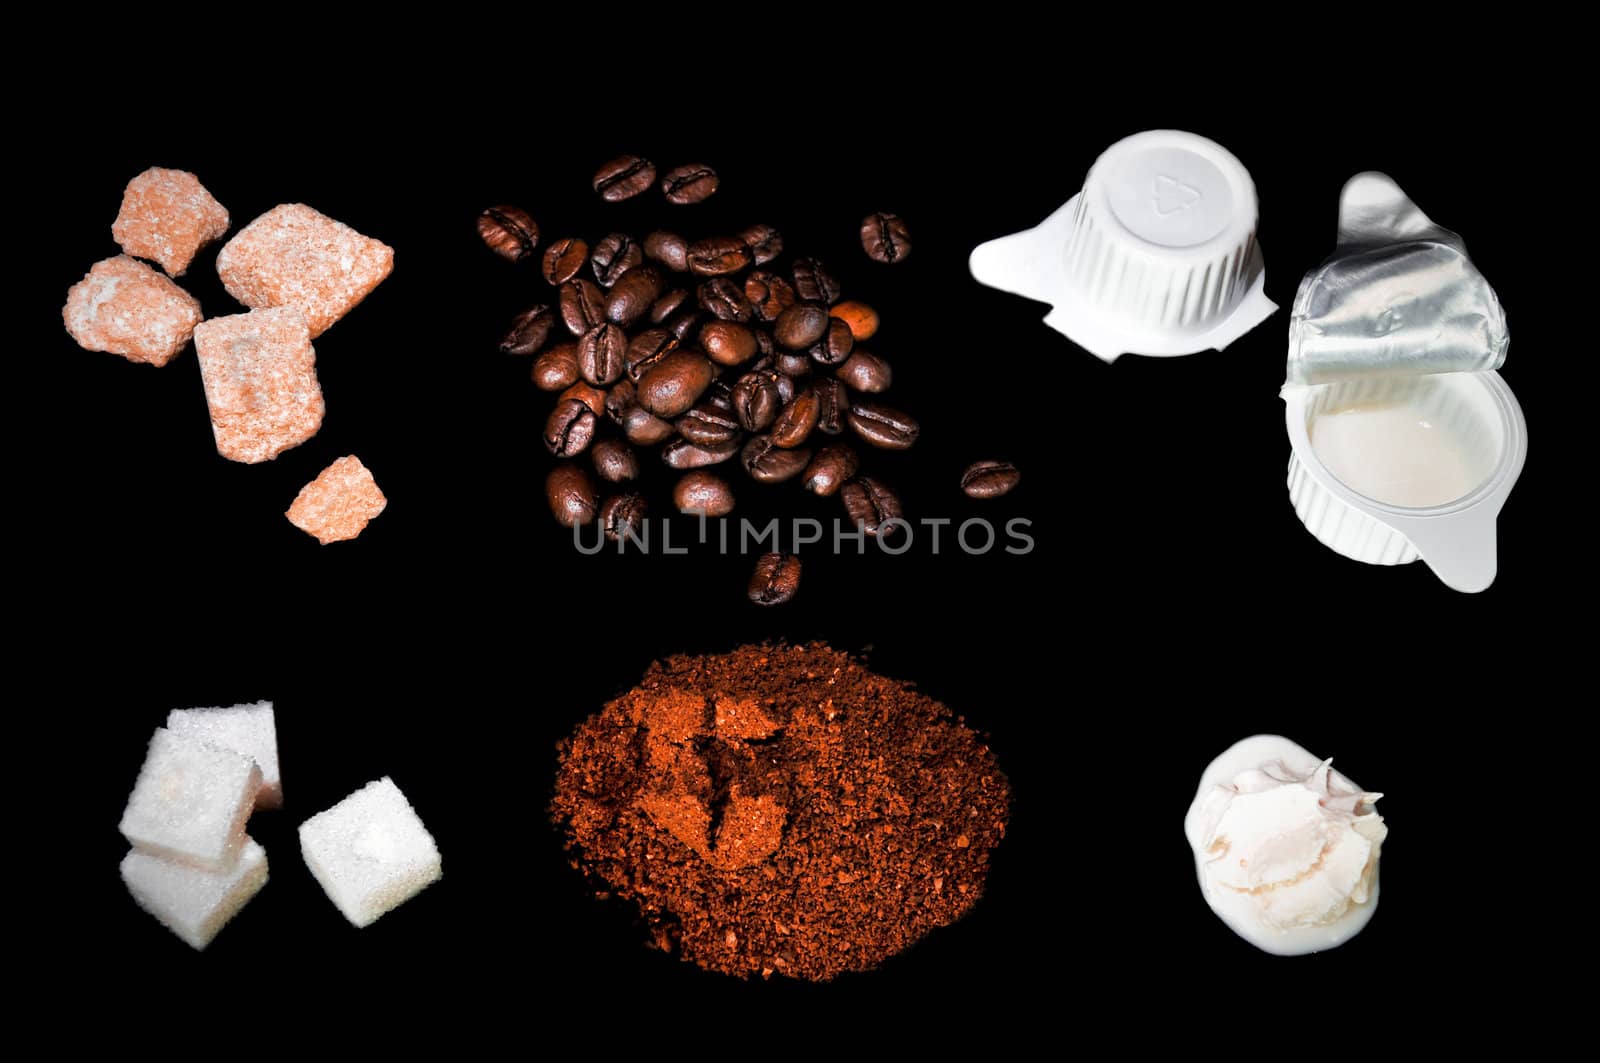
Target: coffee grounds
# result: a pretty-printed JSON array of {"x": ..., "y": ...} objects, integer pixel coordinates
[{"x": 782, "y": 809}]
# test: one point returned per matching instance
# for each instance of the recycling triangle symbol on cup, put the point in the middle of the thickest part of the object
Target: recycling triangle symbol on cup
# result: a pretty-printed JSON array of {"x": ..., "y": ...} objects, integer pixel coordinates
[{"x": 1172, "y": 195}]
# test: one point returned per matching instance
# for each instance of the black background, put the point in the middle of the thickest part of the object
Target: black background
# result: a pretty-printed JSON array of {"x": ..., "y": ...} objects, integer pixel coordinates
[{"x": 1173, "y": 603}]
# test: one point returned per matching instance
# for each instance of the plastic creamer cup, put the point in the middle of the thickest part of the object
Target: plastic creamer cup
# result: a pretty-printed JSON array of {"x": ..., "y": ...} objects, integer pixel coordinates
[{"x": 1156, "y": 255}]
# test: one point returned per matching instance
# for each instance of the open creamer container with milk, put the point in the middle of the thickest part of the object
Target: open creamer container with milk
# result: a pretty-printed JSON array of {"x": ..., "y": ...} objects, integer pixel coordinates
[{"x": 1405, "y": 439}]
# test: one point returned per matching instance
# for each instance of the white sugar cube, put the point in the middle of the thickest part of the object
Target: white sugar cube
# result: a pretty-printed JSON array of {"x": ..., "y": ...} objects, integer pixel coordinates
[
  {"x": 247, "y": 729},
  {"x": 192, "y": 903},
  {"x": 191, "y": 802},
  {"x": 370, "y": 852}
]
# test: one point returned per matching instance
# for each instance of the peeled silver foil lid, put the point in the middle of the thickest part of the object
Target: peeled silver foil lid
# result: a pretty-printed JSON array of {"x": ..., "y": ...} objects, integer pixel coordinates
[{"x": 1398, "y": 297}]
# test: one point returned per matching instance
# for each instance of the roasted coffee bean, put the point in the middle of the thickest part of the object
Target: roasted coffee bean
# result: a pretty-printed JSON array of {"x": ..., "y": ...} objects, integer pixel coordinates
[
  {"x": 564, "y": 258},
  {"x": 619, "y": 399},
  {"x": 570, "y": 492},
  {"x": 591, "y": 397},
  {"x": 685, "y": 324},
  {"x": 862, "y": 319},
  {"x": 646, "y": 350},
  {"x": 667, "y": 305},
  {"x": 643, "y": 428},
  {"x": 832, "y": 406},
  {"x": 728, "y": 342},
  {"x": 718, "y": 256},
  {"x": 813, "y": 282},
  {"x": 720, "y": 395},
  {"x": 796, "y": 365},
  {"x": 528, "y": 331},
  {"x": 583, "y": 305},
  {"x": 724, "y": 299},
  {"x": 755, "y": 400},
  {"x": 569, "y": 428},
  {"x": 866, "y": 372},
  {"x": 672, "y": 385},
  {"x": 885, "y": 237},
  {"x": 989, "y": 479},
  {"x": 795, "y": 421},
  {"x": 763, "y": 242},
  {"x": 556, "y": 368},
  {"x": 669, "y": 249},
  {"x": 833, "y": 465},
  {"x": 870, "y": 503},
  {"x": 764, "y": 345},
  {"x": 704, "y": 493},
  {"x": 509, "y": 232},
  {"x": 835, "y": 345},
  {"x": 775, "y": 580},
  {"x": 623, "y": 516},
  {"x": 632, "y": 295},
  {"x": 615, "y": 461},
  {"x": 600, "y": 354},
  {"x": 614, "y": 256},
  {"x": 883, "y": 426},
  {"x": 708, "y": 424},
  {"x": 682, "y": 454},
  {"x": 623, "y": 178},
  {"x": 684, "y": 185},
  {"x": 769, "y": 463},
  {"x": 768, "y": 294},
  {"x": 801, "y": 325}
]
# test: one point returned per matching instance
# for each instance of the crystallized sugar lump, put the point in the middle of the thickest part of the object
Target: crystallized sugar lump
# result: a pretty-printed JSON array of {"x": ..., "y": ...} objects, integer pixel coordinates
[
  {"x": 370, "y": 852},
  {"x": 295, "y": 256},
  {"x": 338, "y": 504},
  {"x": 246, "y": 729},
  {"x": 167, "y": 216},
  {"x": 191, "y": 802},
  {"x": 192, "y": 903},
  {"x": 122, "y": 306},
  {"x": 260, "y": 375}
]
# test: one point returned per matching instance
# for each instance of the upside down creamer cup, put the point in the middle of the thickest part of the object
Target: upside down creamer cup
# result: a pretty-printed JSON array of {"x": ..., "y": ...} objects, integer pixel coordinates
[{"x": 1405, "y": 440}]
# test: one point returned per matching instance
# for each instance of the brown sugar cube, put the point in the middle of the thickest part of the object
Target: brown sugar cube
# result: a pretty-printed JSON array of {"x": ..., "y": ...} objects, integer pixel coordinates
[
  {"x": 122, "y": 306},
  {"x": 294, "y": 256},
  {"x": 260, "y": 375},
  {"x": 338, "y": 504},
  {"x": 167, "y": 216}
]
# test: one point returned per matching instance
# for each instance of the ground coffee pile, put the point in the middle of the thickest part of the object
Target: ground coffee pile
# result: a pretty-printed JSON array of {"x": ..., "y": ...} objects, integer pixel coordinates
[{"x": 780, "y": 809}]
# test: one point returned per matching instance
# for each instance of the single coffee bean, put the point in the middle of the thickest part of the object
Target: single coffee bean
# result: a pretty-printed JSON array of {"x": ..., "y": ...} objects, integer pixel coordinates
[
  {"x": 718, "y": 256},
  {"x": 646, "y": 350},
  {"x": 775, "y": 580},
  {"x": 728, "y": 342},
  {"x": 768, "y": 294},
  {"x": 835, "y": 345},
  {"x": 801, "y": 325},
  {"x": 667, "y": 305},
  {"x": 724, "y": 299},
  {"x": 720, "y": 395},
  {"x": 832, "y": 405},
  {"x": 643, "y": 428},
  {"x": 619, "y": 400},
  {"x": 989, "y": 479},
  {"x": 672, "y": 385},
  {"x": 614, "y": 256},
  {"x": 570, "y": 492},
  {"x": 669, "y": 249},
  {"x": 591, "y": 397},
  {"x": 528, "y": 331},
  {"x": 569, "y": 428},
  {"x": 883, "y": 426},
  {"x": 796, "y": 365},
  {"x": 615, "y": 461},
  {"x": 623, "y": 516},
  {"x": 769, "y": 463},
  {"x": 685, "y": 324},
  {"x": 833, "y": 465},
  {"x": 763, "y": 242},
  {"x": 885, "y": 237},
  {"x": 796, "y": 420},
  {"x": 708, "y": 424},
  {"x": 813, "y": 282},
  {"x": 564, "y": 258},
  {"x": 684, "y": 185},
  {"x": 755, "y": 400},
  {"x": 866, "y": 372},
  {"x": 556, "y": 368},
  {"x": 583, "y": 305},
  {"x": 862, "y": 319},
  {"x": 764, "y": 345},
  {"x": 682, "y": 454},
  {"x": 509, "y": 232},
  {"x": 632, "y": 295},
  {"x": 704, "y": 493},
  {"x": 624, "y": 177},
  {"x": 870, "y": 503},
  {"x": 600, "y": 354}
]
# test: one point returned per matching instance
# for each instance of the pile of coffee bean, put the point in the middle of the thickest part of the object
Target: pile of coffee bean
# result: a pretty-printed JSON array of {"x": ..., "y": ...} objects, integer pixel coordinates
[{"x": 710, "y": 351}]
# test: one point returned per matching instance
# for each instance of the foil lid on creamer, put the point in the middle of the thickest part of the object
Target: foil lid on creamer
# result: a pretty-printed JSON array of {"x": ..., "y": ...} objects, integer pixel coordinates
[{"x": 1398, "y": 297}]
